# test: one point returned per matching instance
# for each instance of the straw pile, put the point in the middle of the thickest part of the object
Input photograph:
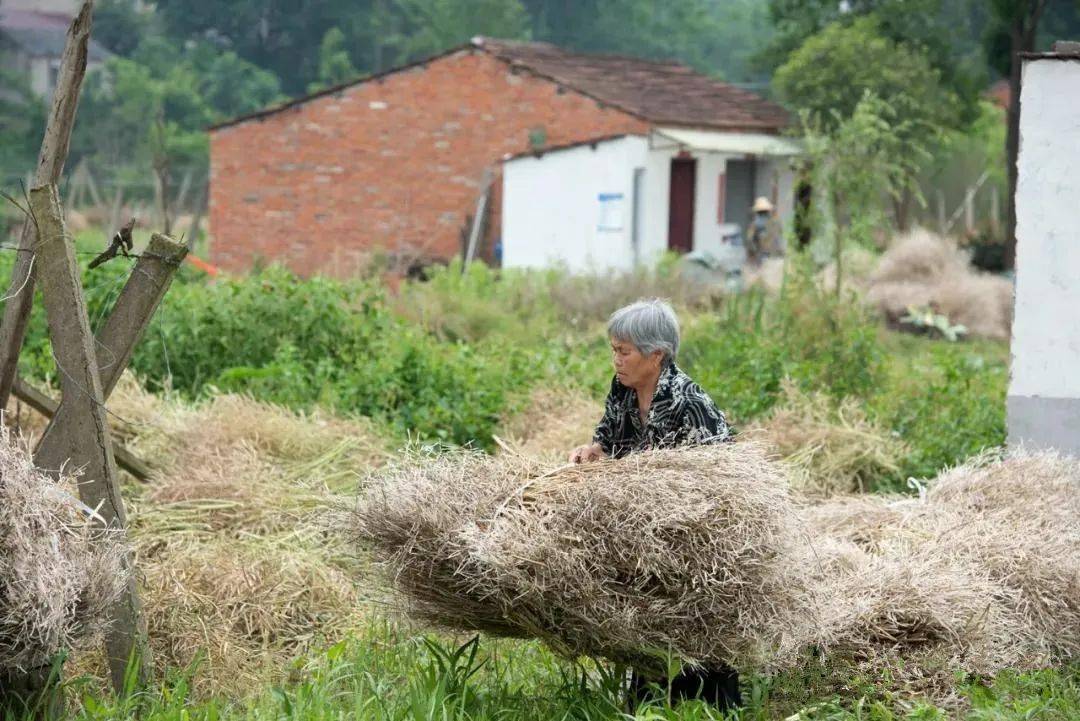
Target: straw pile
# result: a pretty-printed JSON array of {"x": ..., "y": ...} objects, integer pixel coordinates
[
  {"x": 238, "y": 569},
  {"x": 922, "y": 269},
  {"x": 858, "y": 267},
  {"x": 553, "y": 423},
  {"x": 980, "y": 574},
  {"x": 830, "y": 447},
  {"x": 624, "y": 559},
  {"x": 703, "y": 553},
  {"x": 59, "y": 570}
]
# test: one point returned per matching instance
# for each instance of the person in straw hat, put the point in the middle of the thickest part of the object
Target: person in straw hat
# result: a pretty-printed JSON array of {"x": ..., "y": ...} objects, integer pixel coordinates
[
  {"x": 761, "y": 240},
  {"x": 654, "y": 404}
]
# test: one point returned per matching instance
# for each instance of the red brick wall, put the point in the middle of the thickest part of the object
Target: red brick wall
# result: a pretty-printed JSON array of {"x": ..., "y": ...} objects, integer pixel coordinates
[{"x": 392, "y": 164}]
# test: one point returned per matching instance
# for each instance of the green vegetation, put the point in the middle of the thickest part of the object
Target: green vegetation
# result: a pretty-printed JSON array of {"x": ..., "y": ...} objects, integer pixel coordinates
[
  {"x": 388, "y": 674},
  {"x": 833, "y": 70},
  {"x": 448, "y": 359}
]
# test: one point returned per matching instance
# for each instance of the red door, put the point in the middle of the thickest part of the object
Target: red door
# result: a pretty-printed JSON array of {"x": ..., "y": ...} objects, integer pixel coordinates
[{"x": 681, "y": 205}]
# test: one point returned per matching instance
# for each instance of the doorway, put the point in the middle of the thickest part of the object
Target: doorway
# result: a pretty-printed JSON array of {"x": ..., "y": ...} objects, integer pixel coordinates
[
  {"x": 740, "y": 193},
  {"x": 681, "y": 205}
]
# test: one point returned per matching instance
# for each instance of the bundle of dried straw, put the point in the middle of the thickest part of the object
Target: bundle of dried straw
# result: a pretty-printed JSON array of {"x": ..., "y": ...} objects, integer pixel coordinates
[
  {"x": 704, "y": 554},
  {"x": 59, "y": 570}
]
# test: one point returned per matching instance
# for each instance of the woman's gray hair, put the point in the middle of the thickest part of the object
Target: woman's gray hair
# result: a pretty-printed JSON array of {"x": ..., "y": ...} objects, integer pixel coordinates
[{"x": 650, "y": 325}]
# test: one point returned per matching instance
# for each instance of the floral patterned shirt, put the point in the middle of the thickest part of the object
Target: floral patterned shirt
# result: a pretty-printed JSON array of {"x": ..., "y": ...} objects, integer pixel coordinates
[{"x": 681, "y": 414}]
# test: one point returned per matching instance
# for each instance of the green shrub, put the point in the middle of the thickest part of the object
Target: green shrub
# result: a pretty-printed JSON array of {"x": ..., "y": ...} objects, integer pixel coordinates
[
  {"x": 307, "y": 342},
  {"x": 350, "y": 347},
  {"x": 946, "y": 401},
  {"x": 822, "y": 343}
]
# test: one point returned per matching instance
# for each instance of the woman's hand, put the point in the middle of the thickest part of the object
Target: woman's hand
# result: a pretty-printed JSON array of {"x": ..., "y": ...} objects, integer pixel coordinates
[{"x": 587, "y": 454}]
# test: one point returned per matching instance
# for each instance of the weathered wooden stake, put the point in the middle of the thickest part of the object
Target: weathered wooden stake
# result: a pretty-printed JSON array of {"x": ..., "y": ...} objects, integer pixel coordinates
[
  {"x": 116, "y": 341},
  {"x": 478, "y": 219},
  {"x": 88, "y": 443},
  {"x": 53, "y": 154},
  {"x": 47, "y": 407}
]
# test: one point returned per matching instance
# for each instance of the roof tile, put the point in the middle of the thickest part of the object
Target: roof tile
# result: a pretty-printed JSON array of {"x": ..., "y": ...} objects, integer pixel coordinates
[{"x": 657, "y": 91}]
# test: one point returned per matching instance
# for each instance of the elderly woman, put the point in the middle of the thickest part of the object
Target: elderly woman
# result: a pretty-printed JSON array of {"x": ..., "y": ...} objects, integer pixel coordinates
[{"x": 653, "y": 404}]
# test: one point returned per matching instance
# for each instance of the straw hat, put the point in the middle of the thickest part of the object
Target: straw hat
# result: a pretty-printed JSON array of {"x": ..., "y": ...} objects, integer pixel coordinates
[{"x": 762, "y": 205}]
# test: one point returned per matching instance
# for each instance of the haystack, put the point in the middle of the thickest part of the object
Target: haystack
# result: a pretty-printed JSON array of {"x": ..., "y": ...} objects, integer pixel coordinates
[
  {"x": 238, "y": 569},
  {"x": 921, "y": 269},
  {"x": 60, "y": 570},
  {"x": 858, "y": 265},
  {"x": 703, "y": 553},
  {"x": 831, "y": 447},
  {"x": 983, "y": 569},
  {"x": 625, "y": 559}
]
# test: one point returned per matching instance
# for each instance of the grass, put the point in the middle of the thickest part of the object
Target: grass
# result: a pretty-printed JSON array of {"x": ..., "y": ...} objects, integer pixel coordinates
[{"x": 391, "y": 674}]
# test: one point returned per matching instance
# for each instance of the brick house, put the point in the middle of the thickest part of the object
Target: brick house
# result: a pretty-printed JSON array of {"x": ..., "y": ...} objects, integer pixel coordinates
[{"x": 396, "y": 162}]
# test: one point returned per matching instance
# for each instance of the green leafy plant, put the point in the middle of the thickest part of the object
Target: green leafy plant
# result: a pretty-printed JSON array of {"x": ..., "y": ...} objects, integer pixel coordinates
[{"x": 925, "y": 319}]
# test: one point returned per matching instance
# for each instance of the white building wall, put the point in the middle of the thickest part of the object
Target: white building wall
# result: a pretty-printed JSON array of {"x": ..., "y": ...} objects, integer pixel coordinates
[
  {"x": 553, "y": 212},
  {"x": 657, "y": 196},
  {"x": 1044, "y": 390},
  {"x": 776, "y": 181},
  {"x": 707, "y": 231}
]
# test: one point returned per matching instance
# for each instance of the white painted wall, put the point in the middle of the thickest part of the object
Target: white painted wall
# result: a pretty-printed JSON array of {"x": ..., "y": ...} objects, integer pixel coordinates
[
  {"x": 551, "y": 211},
  {"x": 776, "y": 181},
  {"x": 1044, "y": 391},
  {"x": 40, "y": 76}
]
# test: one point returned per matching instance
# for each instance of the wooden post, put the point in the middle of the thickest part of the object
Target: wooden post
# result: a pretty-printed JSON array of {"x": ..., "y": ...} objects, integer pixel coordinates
[
  {"x": 116, "y": 341},
  {"x": 47, "y": 407},
  {"x": 76, "y": 188},
  {"x": 196, "y": 221},
  {"x": 478, "y": 219},
  {"x": 91, "y": 185},
  {"x": 995, "y": 210},
  {"x": 88, "y": 444},
  {"x": 114, "y": 213},
  {"x": 53, "y": 154},
  {"x": 181, "y": 195}
]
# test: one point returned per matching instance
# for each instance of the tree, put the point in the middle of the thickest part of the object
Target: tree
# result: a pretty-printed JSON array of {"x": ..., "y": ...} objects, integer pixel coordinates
[
  {"x": 22, "y": 124},
  {"x": 426, "y": 27},
  {"x": 228, "y": 84},
  {"x": 833, "y": 72},
  {"x": 132, "y": 120},
  {"x": 335, "y": 67},
  {"x": 857, "y": 163},
  {"x": 277, "y": 35},
  {"x": 1014, "y": 30},
  {"x": 119, "y": 25},
  {"x": 946, "y": 32},
  {"x": 714, "y": 37}
]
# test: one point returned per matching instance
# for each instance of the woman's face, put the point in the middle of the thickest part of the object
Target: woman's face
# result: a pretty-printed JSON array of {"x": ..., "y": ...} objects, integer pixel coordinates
[{"x": 631, "y": 367}]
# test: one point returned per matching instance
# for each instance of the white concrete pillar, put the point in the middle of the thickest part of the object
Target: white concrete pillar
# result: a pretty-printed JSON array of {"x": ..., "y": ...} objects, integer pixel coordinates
[{"x": 1044, "y": 389}]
